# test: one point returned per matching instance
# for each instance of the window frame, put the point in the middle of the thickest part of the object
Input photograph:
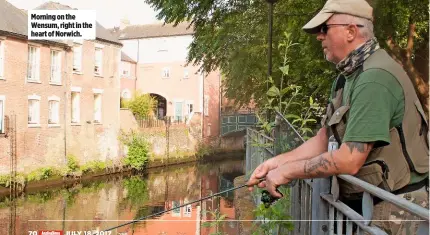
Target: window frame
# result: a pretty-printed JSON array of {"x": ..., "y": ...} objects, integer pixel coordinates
[
  {"x": 77, "y": 68},
  {"x": 2, "y": 114},
  {"x": 163, "y": 72},
  {"x": 58, "y": 61},
  {"x": 2, "y": 60},
  {"x": 34, "y": 123},
  {"x": 56, "y": 101},
  {"x": 33, "y": 69},
  {"x": 75, "y": 119},
  {"x": 98, "y": 62}
]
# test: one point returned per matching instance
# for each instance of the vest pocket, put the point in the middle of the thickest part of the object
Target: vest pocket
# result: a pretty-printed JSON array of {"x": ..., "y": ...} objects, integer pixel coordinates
[
  {"x": 375, "y": 173},
  {"x": 338, "y": 115}
]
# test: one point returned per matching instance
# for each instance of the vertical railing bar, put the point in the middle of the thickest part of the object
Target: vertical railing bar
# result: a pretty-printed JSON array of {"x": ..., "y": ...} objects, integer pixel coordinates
[
  {"x": 331, "y": 219},
  {"x": 339, "y": 218},
  {"x": 349, "y": 227}
]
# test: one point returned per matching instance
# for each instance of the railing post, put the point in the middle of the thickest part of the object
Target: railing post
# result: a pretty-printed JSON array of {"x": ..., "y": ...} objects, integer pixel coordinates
[
  {"x": 320, "y": 209},
  {"x": 248, "y": 151}
]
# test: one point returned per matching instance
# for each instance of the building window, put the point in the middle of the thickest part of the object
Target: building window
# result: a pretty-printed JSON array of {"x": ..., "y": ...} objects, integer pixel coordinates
[
  {"x": 77, "y": 58},
  {"x": 97, "y": 108},
  {"x": 206, "y": 105},
  {"x": 125, "y": 70},
  {"x": 176, "y": 212},
  {"x": 165, "y": 73},
  {"x": 186, "y": 74},
  {"x": 34, "y": 110},
  {"x": 126, "y": 94},
  {"x": 55, "y": 67},
  {"x": 98, "y": 61},
  {"x": 2, "y": 104},
  {"x": 54, "y": 112},
  {"x": 33, "y": 66},
  {"x": 187, "y": 209},
  {"x": 1, "y": 59},
  {"x": 76, "y": 107},
  {"x": 189, "y": 107}
]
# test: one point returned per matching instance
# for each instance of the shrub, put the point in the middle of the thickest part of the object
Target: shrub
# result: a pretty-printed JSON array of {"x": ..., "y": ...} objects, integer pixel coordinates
[
  {"x": 141, "y": 105},
  {"x": 138, "y": 149}
]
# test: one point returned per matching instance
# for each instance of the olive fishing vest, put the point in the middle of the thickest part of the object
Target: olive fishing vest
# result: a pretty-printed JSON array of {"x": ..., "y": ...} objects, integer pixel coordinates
[{"x": 387, "y": 167}]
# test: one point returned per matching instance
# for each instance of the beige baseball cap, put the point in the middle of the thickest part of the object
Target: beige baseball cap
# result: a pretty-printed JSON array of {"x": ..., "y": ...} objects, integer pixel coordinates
[{"x": 359, "y": 8}]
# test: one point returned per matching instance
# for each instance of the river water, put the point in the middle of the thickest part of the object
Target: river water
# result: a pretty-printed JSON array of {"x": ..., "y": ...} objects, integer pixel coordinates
[{"x": 110, "y": 201}]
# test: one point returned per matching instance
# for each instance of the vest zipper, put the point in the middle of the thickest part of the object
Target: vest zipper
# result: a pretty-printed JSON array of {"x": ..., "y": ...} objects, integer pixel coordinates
[
  {"x": 404, "y": 150},
  {"x": 383, "y": 165}
]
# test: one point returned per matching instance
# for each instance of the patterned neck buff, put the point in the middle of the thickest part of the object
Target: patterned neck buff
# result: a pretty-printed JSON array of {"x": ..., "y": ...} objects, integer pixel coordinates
[{"x": 357, "y": 57}]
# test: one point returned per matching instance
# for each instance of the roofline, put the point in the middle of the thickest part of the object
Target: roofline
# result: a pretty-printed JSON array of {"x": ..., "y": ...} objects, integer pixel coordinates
[
  {"x": 25, "y": 37},
  {"x": 109, "y": 41},
  {"x": 170, "y": 35}
]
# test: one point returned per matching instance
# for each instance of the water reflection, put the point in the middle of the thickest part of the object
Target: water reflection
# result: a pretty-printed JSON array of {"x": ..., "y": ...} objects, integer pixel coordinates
[{"x": 116, "y": 200}]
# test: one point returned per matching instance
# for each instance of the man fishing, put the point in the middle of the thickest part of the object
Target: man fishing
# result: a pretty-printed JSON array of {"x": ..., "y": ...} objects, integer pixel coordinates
[{"x": 374, "y": 116}]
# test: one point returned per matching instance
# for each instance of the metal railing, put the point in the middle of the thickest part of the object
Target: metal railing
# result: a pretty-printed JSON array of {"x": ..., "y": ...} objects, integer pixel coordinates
[
  {"x": 315, "y": 205},
  {"x": 153, "y": 121}
]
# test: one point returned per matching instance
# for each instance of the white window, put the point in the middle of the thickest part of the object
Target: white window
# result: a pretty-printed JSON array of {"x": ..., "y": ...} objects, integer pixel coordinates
[
  {"x": 55, "y": 67},
  {"x": 33, "y": 110},
  {"x": 186, "y": 74},
  {"x": 126, "y": 94},
  {"x": 98, "y": 61},
  {"x": 33, "y": 67},
  {"x": 187, "y": 209},
  {"x": 165, "y": 73},
  {"x": 2, "y": 104},
  {"x": 125, "y": 69},
  {"x": 76, "y": 107},
  {"x": 77, "y": 58},
  {"x": 206, "y": 105},
  {"x": 1, "y": 59},
  {"x": 190, "y": 107},
  {"x": 97, "y": 108},
  {"x": 54, "y": 111}
]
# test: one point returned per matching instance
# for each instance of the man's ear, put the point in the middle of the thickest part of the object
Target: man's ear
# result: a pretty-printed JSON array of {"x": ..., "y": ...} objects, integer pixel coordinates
[{"x": 352, "y": 32}]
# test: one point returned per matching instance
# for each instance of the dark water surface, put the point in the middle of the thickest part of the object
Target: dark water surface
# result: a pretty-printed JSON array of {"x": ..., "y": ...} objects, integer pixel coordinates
[{"x": 110, "y": 201}]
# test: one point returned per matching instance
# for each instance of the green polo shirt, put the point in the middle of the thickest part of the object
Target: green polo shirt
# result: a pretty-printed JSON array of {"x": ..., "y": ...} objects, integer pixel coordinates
[{"x": 377, "y": 105}]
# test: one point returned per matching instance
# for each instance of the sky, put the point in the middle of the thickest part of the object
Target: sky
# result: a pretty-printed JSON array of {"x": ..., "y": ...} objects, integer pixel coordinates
[{"x": 109, "y": 12}]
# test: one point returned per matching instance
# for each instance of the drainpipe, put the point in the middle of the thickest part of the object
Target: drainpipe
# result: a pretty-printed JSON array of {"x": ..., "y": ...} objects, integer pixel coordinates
[
  {"x": 137, "y": 63},
  {"x": 65, "y": 103},
  {"x": 220, "y": 106},
  {"x": 203, "y": 109}
]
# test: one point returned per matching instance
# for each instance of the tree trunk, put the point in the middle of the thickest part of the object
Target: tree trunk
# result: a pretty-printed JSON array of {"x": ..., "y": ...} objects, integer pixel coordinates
[{"x": 404, "y": 57}]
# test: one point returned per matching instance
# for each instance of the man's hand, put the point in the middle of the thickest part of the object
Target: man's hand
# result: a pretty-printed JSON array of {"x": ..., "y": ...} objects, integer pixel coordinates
[
  {"x": 261, "y": 171},
  {"x": 274, "y": 179}
]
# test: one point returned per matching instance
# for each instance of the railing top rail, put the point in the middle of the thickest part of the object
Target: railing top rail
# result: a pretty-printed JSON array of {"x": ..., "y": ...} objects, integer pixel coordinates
[
  {"x": 282, "y": 118},
  {"x": 259, "y": 133},
  {"x": 389, "y": 197}
]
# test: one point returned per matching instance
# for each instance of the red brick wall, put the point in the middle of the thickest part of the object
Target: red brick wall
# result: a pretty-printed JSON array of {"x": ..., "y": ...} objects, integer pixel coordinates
[
  {"x": 44, "y": 145},
  {"x": 211, "y": 121},
  {"x": 129, "y": 83}
]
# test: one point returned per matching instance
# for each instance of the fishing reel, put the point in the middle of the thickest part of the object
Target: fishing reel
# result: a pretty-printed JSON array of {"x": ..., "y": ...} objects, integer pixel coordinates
[{"x": 268, "y": 199}]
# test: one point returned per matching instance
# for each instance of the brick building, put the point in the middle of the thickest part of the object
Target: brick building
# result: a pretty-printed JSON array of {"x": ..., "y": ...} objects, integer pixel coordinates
[
  {"x": 182, "y": 91},
  {"x": 56, "y": 98}
]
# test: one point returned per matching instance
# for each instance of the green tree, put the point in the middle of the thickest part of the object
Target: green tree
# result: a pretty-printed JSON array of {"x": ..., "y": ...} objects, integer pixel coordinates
[
  {"x": 142, "y": 105},
  {"x": 232, "y": 35}
]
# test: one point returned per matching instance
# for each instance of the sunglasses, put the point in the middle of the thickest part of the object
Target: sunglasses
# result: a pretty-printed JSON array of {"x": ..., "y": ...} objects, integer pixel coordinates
[{"x": 324, "y": 28}]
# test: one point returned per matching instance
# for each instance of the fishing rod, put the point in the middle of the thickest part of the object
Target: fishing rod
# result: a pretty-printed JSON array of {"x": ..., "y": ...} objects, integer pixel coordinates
[{"x": 267, "y": 199}]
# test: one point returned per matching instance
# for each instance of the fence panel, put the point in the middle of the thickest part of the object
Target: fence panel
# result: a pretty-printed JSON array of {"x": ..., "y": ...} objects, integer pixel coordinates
[{"x": 315, "y": 205}]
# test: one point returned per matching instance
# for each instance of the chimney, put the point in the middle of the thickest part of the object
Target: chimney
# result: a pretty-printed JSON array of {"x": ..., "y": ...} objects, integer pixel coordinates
[{"x": 124, "y": 23}]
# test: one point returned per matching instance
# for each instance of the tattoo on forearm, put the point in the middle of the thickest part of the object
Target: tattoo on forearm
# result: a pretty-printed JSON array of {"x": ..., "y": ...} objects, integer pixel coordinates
[
  {"x": 361, "y": 147},
  {"x": 317, "y": 166},
  {"x": 332, "y": 159}
]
